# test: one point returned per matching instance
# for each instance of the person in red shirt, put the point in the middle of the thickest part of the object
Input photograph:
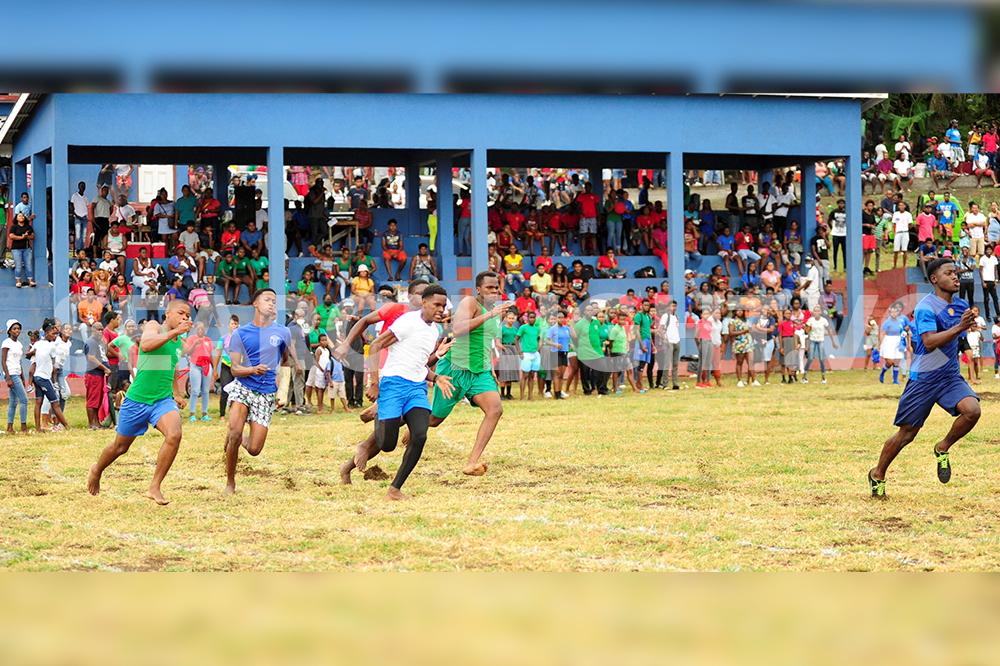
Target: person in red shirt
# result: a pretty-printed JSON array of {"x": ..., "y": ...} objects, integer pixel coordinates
[
  {"x": 208, "y": 211},
  {"x": 550, "y": 224},
  {"x": 744, "y": 249},
  {"x": 545, "y": 259},
  {"x": 514, "y": 220},
  {"x": 525, "y": 302},
  {"x": 607, "y": 265},
  {"x": 506, "y": 237},
  {"x": 703, "y": 329},
  {"x": 662, "y": 297},
  {"x": 644, "y": 224},
  {"x": 230, "y": 238},
  {"x": 630, "y": 300},
  {"x": 494, "y": 219},
  {"x": 570, "y": 220},
  {"x": 589, "y": 205}
]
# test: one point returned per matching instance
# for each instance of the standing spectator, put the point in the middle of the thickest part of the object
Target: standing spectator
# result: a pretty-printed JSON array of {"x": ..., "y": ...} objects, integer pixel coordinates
[
  {"x": 365, "y": 219},
  {"x": 164, "y": 213},
  {"x": 588, "y": 202},
  {"x": 783, "y": 199},
  {"x": 357, "y": 193},
  {"x": 820, "y": 247},
  {"x": 966, "y": 277},
  {"x": 988, "y": 275},
  {"x": 80, "y": 205},
  {"x": 976, "y": 224},
  {"x": 989, "y": 145},
  {"x": 810, "y": 285},
  {"x": 868, "y": 243},
  {"x": 765, "y": 204},
  {"x": 102, "y": 217},
  {"x": 953, "y": 139},
  {"x": 750, "y": 206},
  {"x": 926, "y": 253},
  {"x": 198, "y": 347},
  {"x": 508, "y": 363},
  {"x": 315, "y": 202},
  {"x": 902, "y": 221},
  {"x": 670, "y": 333},
  {"x": 817, "y": 328},
  {"x": 20, "y": 236},
  {"x": 823, "y": 177},
  {"x": 660, "y": 240},
  {"x": 11, "y": 353},
  {"x": 838, "y": 231},
  {"x": 98, "y": 370},
  {"x": 739, "y": 332}
]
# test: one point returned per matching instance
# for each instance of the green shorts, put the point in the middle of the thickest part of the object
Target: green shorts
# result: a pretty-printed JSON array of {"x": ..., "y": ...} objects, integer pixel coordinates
[{"x": 466, "y": 385}]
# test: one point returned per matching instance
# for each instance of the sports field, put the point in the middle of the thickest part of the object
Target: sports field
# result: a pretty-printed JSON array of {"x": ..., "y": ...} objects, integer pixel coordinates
[{"x": 735, "y": 479}]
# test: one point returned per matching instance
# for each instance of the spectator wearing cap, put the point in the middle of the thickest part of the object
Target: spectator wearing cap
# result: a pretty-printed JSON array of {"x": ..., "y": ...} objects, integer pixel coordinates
[
  {"x": 810, "y": 285},
  {"x": 363, "y": 290}
]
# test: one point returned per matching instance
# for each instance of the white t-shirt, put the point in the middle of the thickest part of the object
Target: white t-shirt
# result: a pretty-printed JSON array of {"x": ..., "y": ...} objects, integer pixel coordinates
[
  {"x": 44, "y": 358},
  {"x": 670, "y": 323},
  {"x": 902, "y": 167},
  {"x": 63, "y": 349},
  {"x": 982, "y": 161},
  {"x": 995, "y": 332},
  {"x": 125, "y": 213},
  {"x": 817, "y": 328},
  {"x": 973, "y": 338},
  {"x": 717, "y": 327},
  {"x": 880, "y": 151},
  {"x": 123, "y": 169},
  {"x": 978, "y": 231},
  {"x": 415, "y": 340},
  {"x": 15, "y": 352},
  {"x": 988, "y": 262},
  {"x": 813, "y": 277},
  {"x": 901, "y": 221},
  {"x": 109, "y": 266},
  {"x": 261, "y": 218},
  {"x": 766, "y": 202},
  {"x": 781, "y": 202},
  {"x": 903, "y": 149},
  {"x": 80, "y": 203}
]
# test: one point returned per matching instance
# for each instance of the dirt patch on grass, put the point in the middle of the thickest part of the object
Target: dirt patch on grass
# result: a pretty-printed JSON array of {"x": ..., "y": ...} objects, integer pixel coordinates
[
  {"x": 375, "y": 473},
  {"x": 21, "y": 486},
  {"x": 246, "y": 469},
  {"x": 889, "y": 524}
]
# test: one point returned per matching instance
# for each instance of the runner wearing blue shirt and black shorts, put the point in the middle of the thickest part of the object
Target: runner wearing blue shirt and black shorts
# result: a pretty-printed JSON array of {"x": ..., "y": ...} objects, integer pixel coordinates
[
  {"x": 935, "y": 377},
  {"x": 255, "y": 351}
]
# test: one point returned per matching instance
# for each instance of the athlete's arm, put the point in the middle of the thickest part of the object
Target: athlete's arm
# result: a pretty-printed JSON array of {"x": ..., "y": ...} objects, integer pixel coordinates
[
  {"x": 383, "y": 341},
  {"x": 360, "y": 326},
  {"x": 154, "y": 336},
  {"x": 239, "y": 370},
  {"x": 934, "y": 339},
  {"x": 466, "y": 320}
]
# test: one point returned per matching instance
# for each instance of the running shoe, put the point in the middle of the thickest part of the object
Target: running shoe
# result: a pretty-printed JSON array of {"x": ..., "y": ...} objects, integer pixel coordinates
[
  {"x": 193, "y": 418},
  {"x": 823, "y": 381},
  {"x": 206, "y": 417},
  {"x": 548, "y": 394},
  {"x": 756, "y": 383},
  {"x": 805, "y": 381},
  {"x": 699, "y": 385},
  {"x": 57, "y": 428},
  {"x": 943, "y": 465},
  {"x": 563, "y": 394},
  {"x": 740, "y": 384},
  {"x": 878, "y": 487}
]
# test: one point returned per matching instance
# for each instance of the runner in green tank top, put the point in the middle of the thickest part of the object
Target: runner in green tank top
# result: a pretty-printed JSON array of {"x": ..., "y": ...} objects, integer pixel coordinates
[
  {"x": 151, "y": 400},
  {"x": 476, "y": 325}
]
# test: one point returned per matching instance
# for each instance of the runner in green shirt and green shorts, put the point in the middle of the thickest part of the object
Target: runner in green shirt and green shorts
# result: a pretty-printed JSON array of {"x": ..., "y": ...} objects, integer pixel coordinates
[{"x": 151, "y": 400}]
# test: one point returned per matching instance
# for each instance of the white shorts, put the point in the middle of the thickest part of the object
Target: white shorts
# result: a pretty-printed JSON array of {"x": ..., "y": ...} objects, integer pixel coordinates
[
  {"x": 316, "y": 378},
  {"x": 260, "y": 406},
  {"x": 901, "y": 242},
  {"x": 890, "y": 348}
]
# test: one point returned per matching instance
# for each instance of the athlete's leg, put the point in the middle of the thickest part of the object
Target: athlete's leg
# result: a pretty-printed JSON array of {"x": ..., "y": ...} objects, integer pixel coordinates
[
  {"x": 968, "y": 416},
  {"x": 387, "y": 433},
  {"x": 417, "y": 421},
  {"x": 492, "y": 408},
  {"x": 118, "y": 447},
  {"x": 367, "y": 449},
  {"x": 238, "y": 413},
  {"x": 170, "y": 425},
  {"x": 891, "y": 449}
]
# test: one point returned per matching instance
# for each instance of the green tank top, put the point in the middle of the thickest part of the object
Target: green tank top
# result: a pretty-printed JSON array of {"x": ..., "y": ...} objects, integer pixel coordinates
[
  {"x": 154, "y": 378},
  {"x": 472, "y": 352}
]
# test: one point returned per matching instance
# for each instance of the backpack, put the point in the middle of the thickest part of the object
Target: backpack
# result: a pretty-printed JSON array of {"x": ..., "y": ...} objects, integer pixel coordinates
[
  {"x": 645, "y": 272},
  {"x": 588, "y": 273}
]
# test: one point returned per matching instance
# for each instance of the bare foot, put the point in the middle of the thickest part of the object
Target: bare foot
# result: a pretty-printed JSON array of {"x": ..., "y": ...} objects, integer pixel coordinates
[
  {"x": 475, "y": 469},
  {"x": 395, "y": 494},
  {"x": 230, "y": 489},
  {"x": 361, "y": 458},
  {"x": 157, "y": 496},
  {"x": 369, "y": 413},
  {"x": 345, "y": 473},
  {"x": 93, "y": 480}
]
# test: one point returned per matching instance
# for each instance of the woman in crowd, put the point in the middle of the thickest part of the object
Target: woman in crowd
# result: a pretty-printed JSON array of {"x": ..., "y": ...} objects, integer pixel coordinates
[
  {"x": 739, "y": 330},
  {"x": 145, "y": 277},
  {"x": 770, "y": 277},
  {"x": 792, "y": 244},
  {"x": 508, "y": 367},
  {"x": 560, "y": 281},
  {"x": 198, "y": 348},
  {"x": 121, "y": 297},
  {"x": 363, "y": 290},
  {"x": 11, "y": 353},
  {"x": 223, "y": 366},
  {"x": 20, "y": 236}
]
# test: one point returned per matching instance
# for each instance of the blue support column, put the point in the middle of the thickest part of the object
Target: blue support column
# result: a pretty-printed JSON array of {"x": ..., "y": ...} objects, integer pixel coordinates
[
  {"x": 675, "y": 226},
  {"x": 60, "y": 232},
  {"x": 854, "y": 302},
  {"x": 180, "y": 179},
  {"x": 19, "y": 184},
  {"x": 480, "y": 224},
  {"x": 445, "y": 243},
  {"x": 40, "y": 245},
  {"x": 807, "y": 194},
  {"x": 416, "y": 224},
  {"x": 276, "y": 224}
]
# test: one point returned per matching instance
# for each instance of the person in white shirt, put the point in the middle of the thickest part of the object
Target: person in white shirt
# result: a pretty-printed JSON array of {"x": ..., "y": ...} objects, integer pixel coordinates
[
  {"x": 903, "y": 148},
  {"x": 810, "y": 286},
  {"x": 817, "y": 329},
  {"x": 783, "y": 199},
  {"x": 64, "y": 347},
  {"x": 401, "y": 392},
  {"x": 981, "y": 167},
  {"x": 44, "y": 375},
  {"x": 904, "y": 173},
  {"x": 81, "y": 206},
  {"x": 670, "y": 332},
  {"x": 124, "y": 214},
  {"x": 766, "y": 201},
  {"x": 995, "y": 336},
  {"x": 976, "y": 223},
  {"x": 901, "y": 222},
  {"x": 880, "y": 152},
  {"x": 988, "y": 274}
]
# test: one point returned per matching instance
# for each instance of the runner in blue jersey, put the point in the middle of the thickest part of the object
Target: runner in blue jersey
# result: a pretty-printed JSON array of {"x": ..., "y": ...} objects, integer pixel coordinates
[
  {"x": 935, "y": 377},
  {"x": 255, "y": 351}
]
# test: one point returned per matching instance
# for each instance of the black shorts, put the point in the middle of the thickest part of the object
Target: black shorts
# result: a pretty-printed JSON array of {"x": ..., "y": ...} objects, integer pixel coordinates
[
  {"x": 562, "y": 358},
  {"x": 963, "y": 345}
]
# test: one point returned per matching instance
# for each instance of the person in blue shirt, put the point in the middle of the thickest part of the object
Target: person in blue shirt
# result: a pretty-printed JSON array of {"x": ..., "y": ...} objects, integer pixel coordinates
[
  {"x": 947, "y": 211},
  {"x": 558, "y": 340},
  {"x": 255, "y": 351},
  {"x": 935, "y": 377},
  {"x": 252, "y": 236},
  {"x": 24, "y": 207},
  {"x": 941, "y": 169},
  {"x": 892, "y": 342}
]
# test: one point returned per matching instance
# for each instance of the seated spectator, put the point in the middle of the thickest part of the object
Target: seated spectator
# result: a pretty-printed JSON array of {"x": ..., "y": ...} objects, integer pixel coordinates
[
  {"x": 884, "y": 167},
  {"x": 725, "y": 242},
  {"x": 225, "y": 273},
  {"x": 422, "y": 266},
  {"x": 532, "y": 233},
  {"x": 306, "y": 286},
  {"x": 903, "y": 172},
  {"x": 251, "y": 237},
  {"x": 506, "y": 236},
  {"x": 230, "y": 238},
  {"x": 525, "y": 302},
  {"x": 363, "y": 290},
  {"x": 545, "y": 260},
  {"x": 750, "y": 277},
  {"x": 88, "y": 312},
  {"x": 578, "y": 283},
  {"x": 744, "y": 241},
  {"x": 691, "y": 237},
  {"x": 513, "y": 264},
  {"x": 541, "y": 284},
  {"x": 109, "y": 263},
  {"x": 392, "y": 250},
  {"x": 560, "y": 281},
  {"x": 983, "y": 168},
  {"x": 941, "y": 169},
  {"x": 115, "y": 244},
  {"x": 607, "y": 265}
]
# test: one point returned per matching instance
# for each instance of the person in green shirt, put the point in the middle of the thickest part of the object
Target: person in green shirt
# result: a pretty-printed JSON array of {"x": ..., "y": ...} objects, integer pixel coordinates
[
  {"x": 620, "y": 363},
  {"x": 510, "y": 358},
  {"x": 185, "y": 207},
  {"x": 328, "y": 312},
  {"x": 527, "y": 348},
  {"x": 152, "y": 399},
  {"x": 244, "y": 273},
  {"x": 225, "y": 272},
  {"x": 642, "y": 322},
  {"x": 257, "y": 262},
  {"x": 362, "y": 258},
  {"x": 344, "y": 269},
  {"x": 264, "y": 279},
  {"x": 306, "y": 285}
]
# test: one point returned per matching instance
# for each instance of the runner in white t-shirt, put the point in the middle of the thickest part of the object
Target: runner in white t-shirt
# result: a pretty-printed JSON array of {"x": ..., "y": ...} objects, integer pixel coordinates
[{"x": 401, "y": 392}]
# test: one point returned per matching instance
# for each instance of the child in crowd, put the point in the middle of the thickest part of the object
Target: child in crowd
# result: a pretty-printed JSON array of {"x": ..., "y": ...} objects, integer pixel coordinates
[{"x": 335, "y": 385}]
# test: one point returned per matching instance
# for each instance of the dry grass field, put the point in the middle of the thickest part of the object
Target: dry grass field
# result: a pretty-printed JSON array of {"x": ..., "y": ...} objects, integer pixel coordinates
[{"x": 769, "y": 478}]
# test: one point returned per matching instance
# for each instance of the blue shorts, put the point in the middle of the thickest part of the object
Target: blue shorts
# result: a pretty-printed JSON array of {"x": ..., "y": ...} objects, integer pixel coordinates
[
  {"x": 134, "y": 418},
  {"x": 45, "y": 389},
  {"x": 920, "y": 396},
  {"x": 532, "y": 362},
  {"x": 640, "y": 355},
  {"x": 397, "y": 396}
]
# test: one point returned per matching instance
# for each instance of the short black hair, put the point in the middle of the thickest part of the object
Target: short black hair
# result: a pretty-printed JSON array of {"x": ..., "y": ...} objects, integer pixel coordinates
[
  {"x": 260, "y": 292},
  {"x": 414, "y": 284},
  {"x": 936, "y": 265},
  {"x": 434, "y": 290},
  {"x": 482, "y": 276}
]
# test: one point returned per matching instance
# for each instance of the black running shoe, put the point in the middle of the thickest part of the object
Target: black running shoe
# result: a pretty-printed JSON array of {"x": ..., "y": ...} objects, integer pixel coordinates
[
  {"x": 878, "y": 487},
  {"x": 943, "y": 465}
]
